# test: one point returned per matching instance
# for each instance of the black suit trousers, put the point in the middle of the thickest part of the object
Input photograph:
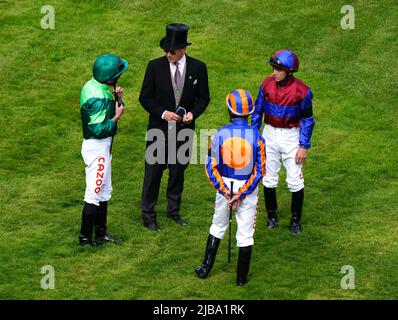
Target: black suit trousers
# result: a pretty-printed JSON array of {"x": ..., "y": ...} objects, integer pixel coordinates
[{"x": 175, "y": 187}]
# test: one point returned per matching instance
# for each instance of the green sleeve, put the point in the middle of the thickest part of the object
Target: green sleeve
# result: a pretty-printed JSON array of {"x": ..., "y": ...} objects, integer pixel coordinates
[
  {"x": 97, "y": 117},
  {"x": 103, "y": 130}
]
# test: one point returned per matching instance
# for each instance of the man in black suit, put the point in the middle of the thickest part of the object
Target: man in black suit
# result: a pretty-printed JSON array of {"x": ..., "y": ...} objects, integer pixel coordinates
[{"x": 175, "y": 92}]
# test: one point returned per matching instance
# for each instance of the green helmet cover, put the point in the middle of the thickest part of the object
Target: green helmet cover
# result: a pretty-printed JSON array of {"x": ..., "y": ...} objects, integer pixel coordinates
[{"x": 108, "y": 67}]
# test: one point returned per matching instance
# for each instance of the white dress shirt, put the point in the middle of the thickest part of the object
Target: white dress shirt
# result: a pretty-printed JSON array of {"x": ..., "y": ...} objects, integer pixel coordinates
[
  {"x": 181, "y": 66},
  {"x": 173, "y": 68}
]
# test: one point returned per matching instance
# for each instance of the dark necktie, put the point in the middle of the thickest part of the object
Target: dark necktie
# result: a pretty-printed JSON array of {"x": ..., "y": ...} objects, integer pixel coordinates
[{"x": 177, "y": 76}]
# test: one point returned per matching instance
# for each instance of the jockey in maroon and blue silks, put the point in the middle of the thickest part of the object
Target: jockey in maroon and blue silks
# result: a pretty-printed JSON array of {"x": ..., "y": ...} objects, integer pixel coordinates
[{"x": 286, "y": 103}]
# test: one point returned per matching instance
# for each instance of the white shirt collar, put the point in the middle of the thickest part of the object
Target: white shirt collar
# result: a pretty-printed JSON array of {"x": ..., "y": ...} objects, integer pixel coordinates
[{"x": 181, "y": 65}]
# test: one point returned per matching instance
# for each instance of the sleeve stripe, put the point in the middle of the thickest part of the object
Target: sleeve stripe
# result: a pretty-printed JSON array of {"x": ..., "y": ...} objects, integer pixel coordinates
[
  {"x": 216, "y": 175},
  {"x": 249, "y": 182},
  {"x": 262, "y": 153},
  {"x": 207, "y": 175},
  {"x": 219, "y": 179}
]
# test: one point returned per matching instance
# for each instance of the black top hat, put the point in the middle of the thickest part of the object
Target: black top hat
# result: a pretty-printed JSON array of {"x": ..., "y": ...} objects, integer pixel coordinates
[{"x": 176, "y": 37}]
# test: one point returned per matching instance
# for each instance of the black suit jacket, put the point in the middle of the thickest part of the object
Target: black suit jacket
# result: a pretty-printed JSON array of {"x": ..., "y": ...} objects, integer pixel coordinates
[{"x": 157, "y": 93}]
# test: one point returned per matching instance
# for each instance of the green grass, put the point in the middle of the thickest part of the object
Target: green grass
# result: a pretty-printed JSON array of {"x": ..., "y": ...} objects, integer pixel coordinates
[{"x": 350, "y": 212}]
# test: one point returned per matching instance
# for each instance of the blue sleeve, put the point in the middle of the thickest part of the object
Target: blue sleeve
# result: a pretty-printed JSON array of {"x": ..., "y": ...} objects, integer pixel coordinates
[
  {"x": 307, "y": 121},
  {"x": 211, "y": 169},
  {"x": 258, "y": 169},
  {"x": 257, "y": 117}
]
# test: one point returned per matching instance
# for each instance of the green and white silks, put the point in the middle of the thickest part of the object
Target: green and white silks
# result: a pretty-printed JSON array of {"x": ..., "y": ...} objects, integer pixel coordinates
[{"x": 97, "y": 108}]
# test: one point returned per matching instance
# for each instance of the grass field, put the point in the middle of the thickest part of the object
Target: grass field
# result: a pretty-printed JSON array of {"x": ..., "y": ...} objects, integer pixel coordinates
[{"x": 350, "y": 212}]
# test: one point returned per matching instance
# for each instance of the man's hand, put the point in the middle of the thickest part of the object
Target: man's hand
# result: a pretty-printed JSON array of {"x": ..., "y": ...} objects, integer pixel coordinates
[
  {"x": 118, "y": 93},
  {"x": 235, "y": 201},
  {"x": 188, "y": 118},
  {"x": 171, "y": 116},
  {"x": 119, "y": 109},
  {"x": 227, "y": 195},
  {"x": 301, "y": 155}
]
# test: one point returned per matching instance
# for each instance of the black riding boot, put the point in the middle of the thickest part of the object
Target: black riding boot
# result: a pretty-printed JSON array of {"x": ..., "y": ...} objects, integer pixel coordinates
[
  {"x": 296, "y": 209},
  {"x": 101, "y": 236},
  {"x": 210, "y": 256},
  {"x": 100, "y": 220},
  {"x": 245, "y": 254},
  {"x": 271, "y": 206},
  {"x": 88, "y": 217}
]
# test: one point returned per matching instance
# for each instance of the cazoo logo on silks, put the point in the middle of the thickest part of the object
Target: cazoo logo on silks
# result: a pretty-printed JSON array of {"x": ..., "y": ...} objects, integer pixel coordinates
[{"x": 100, "y": 174}]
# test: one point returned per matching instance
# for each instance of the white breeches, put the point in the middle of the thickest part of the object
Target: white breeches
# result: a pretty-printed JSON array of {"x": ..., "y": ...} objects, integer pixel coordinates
[
  {"x": 282, "y": 144},
  {"x": 245, "y": 216},
  {"x": 97, "y": 157}
]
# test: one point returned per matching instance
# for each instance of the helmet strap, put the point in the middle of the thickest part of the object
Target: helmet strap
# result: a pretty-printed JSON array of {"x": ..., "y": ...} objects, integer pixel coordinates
[{"x": 231, "y": 116}]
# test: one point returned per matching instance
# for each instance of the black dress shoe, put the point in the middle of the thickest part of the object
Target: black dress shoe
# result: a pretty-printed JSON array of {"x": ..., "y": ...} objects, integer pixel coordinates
[
  {"x": 153, "y": 227},
  {"x": 179, "y": 221},
  {"x": 272, "y": 223},
  {"x": 295, "y": 227},
  {"x": 108, "y": 238},
  {"x": 83, "y": 241}
]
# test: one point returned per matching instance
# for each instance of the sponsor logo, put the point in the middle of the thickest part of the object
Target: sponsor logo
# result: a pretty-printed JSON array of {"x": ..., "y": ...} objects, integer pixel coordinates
[{"x": 100, "y": 174}]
